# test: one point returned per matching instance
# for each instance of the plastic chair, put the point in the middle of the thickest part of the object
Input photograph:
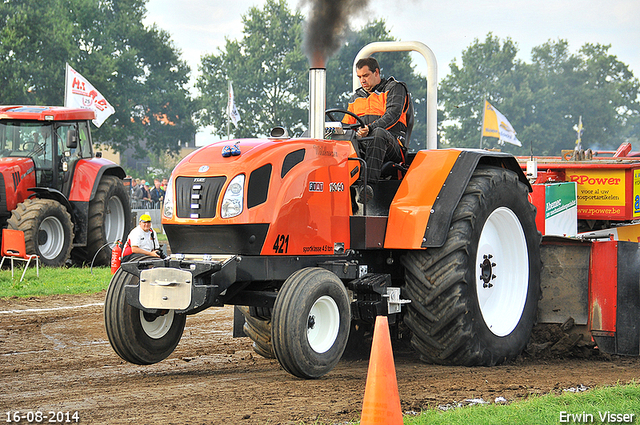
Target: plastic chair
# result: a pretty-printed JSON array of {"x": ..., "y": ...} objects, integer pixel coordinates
[{"x": 13, "y": 248}]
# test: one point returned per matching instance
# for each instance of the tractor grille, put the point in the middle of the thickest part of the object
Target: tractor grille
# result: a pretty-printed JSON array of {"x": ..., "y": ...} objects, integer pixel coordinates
[{"x": 197, "y": 197}]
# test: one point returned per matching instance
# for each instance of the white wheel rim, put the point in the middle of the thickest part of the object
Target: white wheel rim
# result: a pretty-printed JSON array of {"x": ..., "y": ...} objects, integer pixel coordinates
[
  {"x": 53, "y": 241},
  {"x": 502, "y": 271},
  {"x": 323, "y": 324},
  {"x": 158, "y": 327},
  {"x": 114, "y": 221}
]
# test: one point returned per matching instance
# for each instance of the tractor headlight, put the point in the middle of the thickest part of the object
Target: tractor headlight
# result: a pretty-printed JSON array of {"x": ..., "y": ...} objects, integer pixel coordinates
[
  {"x": 167, "y": 208},
  {"x": 233, "y": 199}
]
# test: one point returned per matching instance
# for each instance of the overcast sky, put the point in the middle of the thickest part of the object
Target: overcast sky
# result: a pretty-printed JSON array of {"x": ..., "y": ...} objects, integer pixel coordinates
[{"x": 198, "y": 27}]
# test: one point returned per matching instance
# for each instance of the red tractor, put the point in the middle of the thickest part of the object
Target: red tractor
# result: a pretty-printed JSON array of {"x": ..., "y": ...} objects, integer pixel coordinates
[{"x": 69, "y": 203}]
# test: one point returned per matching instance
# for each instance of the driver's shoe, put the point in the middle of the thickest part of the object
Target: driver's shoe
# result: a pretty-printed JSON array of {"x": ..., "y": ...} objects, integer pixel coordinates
[{"x": 364, "y": 192}]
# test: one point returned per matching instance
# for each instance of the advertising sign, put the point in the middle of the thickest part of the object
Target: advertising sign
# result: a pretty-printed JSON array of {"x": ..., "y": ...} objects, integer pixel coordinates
[
  {"x": 601, "y": 193},
  {"x": 561, "y": 211}
]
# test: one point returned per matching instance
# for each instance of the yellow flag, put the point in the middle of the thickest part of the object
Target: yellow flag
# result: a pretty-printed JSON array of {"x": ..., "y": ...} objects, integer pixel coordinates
[{"x": 496, "y": 125}]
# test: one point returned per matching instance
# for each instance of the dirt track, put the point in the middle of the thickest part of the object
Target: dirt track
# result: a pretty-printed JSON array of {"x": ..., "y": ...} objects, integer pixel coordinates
[{"x": 59, "y": 360}]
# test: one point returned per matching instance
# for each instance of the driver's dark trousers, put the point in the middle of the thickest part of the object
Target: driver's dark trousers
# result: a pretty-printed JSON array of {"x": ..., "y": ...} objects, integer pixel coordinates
[{"x": 382, "y": 148}]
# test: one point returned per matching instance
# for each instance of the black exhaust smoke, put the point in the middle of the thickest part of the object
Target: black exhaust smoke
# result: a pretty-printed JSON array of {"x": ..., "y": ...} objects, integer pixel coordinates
[
  {"x": 327, "y": 25},
  {"x": 325, "y": 30}
]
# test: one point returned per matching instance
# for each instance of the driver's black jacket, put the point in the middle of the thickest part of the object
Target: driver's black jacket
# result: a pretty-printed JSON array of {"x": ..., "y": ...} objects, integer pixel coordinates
[{"x": 385, "y": 106}]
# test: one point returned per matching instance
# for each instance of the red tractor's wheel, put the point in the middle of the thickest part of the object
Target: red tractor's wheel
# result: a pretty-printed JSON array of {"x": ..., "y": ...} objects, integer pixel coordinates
[
  {"x": 109, "y": 221},
  {"x": 47, "y": 227}
]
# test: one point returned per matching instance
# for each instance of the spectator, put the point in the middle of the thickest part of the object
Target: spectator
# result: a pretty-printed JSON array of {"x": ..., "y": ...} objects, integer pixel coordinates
[
  {"x": 157, "y": 194},
  {"x": 138, "y": 191},
  {"x": 145, "y": 195},
  {"x": 141, "y": 240}
]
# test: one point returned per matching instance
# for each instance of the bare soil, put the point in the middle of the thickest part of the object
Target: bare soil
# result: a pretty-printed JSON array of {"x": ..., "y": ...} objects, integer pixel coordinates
[{"x": 55, "y": 357}]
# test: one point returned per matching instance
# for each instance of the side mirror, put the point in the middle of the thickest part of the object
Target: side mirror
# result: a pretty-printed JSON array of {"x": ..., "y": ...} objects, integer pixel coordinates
[{"x": 72, "y": 139}]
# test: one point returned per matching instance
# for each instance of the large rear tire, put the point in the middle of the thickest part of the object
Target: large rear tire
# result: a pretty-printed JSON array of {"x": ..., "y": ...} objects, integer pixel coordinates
[
  {"x": 139, "y": 337},
  {"x": 109, "y": 221},
  {"x": 310, "y": 322},
  {"x": 47, "y": 227},
  {"x": 474, "y": 300}
]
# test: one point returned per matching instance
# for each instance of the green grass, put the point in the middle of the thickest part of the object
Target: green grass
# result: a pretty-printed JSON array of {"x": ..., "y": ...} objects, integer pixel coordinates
[
  {"x": 620, "y": 399},
  {"x": 53, "y": 281}
]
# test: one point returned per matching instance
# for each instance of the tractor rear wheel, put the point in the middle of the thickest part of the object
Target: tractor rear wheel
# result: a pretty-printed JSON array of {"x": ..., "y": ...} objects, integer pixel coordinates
[
  {"x": 310, "y": 322},
  {"x": 259, "y": 330},
  {"x": 109, "y": 220},
  {"x": 47, "y": 227},
  {"x": 474, "y": 300},
  {"x": 139, "y": 337}
]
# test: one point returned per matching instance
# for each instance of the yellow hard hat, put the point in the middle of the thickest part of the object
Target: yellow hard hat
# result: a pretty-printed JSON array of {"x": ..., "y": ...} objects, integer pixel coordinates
[{"x": 145, "y": 217}]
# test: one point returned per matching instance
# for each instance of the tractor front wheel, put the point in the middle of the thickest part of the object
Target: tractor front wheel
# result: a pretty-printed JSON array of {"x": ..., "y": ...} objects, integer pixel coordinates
[
  {"x": 259, "y": 330},
  {"x": 47, "y": 227},
  {"x": 139, "y": 337},
  {"x": 310, "y": 322}
]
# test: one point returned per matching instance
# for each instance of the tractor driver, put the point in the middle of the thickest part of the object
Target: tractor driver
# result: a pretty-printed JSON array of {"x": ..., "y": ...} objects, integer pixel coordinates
[{"x": 382, "y": 104}]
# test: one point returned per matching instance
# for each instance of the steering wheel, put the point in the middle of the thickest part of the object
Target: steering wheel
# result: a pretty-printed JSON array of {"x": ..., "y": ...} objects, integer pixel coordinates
[
  {"x": 29, "y": 146},
  {"x": 329, "y": 113}
]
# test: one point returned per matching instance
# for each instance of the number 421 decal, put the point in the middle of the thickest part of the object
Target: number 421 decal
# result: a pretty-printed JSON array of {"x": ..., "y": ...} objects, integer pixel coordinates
[{"x": 282, "y": 244}]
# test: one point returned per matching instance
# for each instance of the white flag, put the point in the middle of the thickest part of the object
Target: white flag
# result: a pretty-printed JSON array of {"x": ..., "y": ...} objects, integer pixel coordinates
[
  {"x": 232, "y": 112},
  {"x": 496, "y": 125},
  {"x": 79, "y": 93}
]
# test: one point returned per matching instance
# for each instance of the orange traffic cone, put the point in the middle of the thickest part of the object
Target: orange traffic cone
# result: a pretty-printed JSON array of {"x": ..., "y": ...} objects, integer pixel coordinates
[{"x": 381, "y": 404}]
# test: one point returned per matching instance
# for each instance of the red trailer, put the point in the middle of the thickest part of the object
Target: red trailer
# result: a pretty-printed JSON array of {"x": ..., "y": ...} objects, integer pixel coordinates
[{"x": 591, "y": 276}]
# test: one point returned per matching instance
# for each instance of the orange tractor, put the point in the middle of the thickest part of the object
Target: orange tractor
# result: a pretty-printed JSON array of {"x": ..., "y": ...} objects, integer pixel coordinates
[
  {"x": 68, "y": 202},
  {"x": 448, "y": 249}
]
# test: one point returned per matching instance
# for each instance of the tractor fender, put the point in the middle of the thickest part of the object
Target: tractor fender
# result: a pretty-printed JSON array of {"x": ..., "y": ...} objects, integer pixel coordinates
[
  {"x": 420, "y": 213},
  {"x": 49, "y": 193},
  {"x": 87, "y": 175}
]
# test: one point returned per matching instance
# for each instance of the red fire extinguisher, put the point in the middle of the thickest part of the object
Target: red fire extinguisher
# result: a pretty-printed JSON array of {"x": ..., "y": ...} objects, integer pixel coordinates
[{"x": 116, "y": 253}]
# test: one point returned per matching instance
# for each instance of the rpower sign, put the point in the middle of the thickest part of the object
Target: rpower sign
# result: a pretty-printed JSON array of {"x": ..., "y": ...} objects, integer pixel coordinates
[{"x": 606, "y": 194}]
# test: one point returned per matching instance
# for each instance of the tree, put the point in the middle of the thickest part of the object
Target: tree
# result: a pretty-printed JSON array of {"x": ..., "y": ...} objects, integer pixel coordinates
[
  {"x": 542, "y": 100},
  {"x": 136, "y": 68},
  {"x": 268, "y": 70},
  {"x": 34, "y": 45},
  {"x": 592, "y": 84},
  {"x": 488, "y": 72}
]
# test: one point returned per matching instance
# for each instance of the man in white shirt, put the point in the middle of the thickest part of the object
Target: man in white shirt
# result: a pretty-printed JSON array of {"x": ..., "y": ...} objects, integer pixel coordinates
[{"x": 141, "y": 240}]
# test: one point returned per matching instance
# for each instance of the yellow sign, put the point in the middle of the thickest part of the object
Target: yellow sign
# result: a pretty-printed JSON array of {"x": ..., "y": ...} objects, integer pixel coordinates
[
  {"x": 599, "y": 187},
  {"x": 636, "y": 193}
]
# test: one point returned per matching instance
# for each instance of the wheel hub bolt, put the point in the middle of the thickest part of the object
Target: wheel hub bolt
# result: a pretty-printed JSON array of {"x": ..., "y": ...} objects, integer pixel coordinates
[
  {"x": 312, "y": 322},
  {"x": 486, "y": 271}
]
